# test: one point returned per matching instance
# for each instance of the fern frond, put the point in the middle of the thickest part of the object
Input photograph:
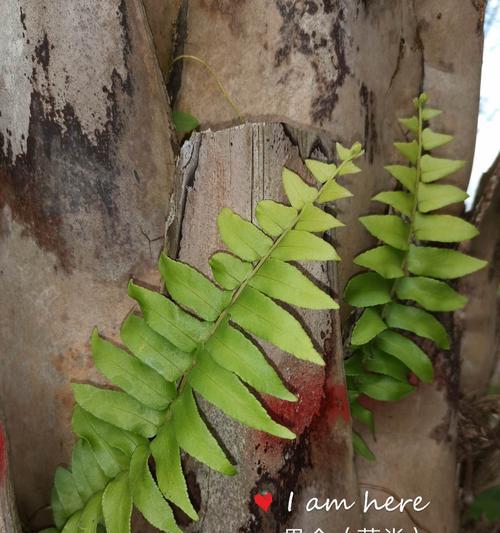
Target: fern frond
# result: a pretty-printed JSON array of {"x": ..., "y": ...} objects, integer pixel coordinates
[
  {"x": 186, "y": 344},
  {"x": 404, "y": 286}
]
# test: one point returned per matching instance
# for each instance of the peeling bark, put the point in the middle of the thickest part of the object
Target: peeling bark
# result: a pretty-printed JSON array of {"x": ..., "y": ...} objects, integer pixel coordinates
[
  {"x": 85, "y": 164},
  {"x": 237, "y": 167}
]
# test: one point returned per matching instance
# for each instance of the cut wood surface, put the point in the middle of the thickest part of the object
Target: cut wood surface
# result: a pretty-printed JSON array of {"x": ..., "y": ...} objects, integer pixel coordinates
[{"x": 236, "y": 168}]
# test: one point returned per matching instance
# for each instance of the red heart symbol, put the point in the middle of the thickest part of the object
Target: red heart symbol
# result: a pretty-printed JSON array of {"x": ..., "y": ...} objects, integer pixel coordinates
[{"x": 263, "y": 500}]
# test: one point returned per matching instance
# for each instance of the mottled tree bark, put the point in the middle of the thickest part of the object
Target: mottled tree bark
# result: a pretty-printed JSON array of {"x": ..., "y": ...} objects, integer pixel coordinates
[{"x": 86, "y": 162}]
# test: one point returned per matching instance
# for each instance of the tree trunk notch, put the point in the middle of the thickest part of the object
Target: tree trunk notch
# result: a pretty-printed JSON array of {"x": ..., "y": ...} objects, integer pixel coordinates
[{"x": 238, "y": 167}]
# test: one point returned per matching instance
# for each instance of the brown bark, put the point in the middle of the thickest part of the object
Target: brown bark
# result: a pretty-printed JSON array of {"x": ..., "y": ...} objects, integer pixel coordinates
[
  {"x": 237, "y": 167},
  {"x": 85, "y": 164}
]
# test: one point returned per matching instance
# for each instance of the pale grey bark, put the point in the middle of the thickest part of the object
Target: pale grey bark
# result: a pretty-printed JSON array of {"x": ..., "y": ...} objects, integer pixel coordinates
[{"x": 86, "y": 162}]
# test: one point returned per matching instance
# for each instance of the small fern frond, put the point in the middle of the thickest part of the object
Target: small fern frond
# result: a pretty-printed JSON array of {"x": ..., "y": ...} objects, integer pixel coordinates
[
  {"x": 189, "y": 343},
  {"x": 404, "y": 282}
]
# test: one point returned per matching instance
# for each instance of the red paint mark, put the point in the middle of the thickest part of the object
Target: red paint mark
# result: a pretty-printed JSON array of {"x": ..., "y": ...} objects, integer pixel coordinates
[
  {"x": 296, "y": 416},
  {"x": 337, "y": 403},
  {"x": 3, "y": 455},
  {"x": 263, "y": 500}
]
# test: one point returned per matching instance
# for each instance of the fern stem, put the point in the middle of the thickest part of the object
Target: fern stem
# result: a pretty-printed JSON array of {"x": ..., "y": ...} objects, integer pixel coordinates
[
  {"x": 414, "y": 206},
  {"x": 417, "y": 183}
]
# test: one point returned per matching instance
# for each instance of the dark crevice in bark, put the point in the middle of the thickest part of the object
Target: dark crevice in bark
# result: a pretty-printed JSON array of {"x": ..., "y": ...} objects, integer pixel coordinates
[{"x": 174, "y": 80}]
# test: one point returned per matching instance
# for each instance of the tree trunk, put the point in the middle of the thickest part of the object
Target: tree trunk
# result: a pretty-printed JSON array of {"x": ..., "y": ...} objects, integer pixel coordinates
[
  {"x": 237, "y": 167},
  {"x": 86, "y": 163}
]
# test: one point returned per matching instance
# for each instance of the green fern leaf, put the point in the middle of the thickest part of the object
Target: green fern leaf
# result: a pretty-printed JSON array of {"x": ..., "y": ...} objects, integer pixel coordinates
[
  {"x": 367, "y": 289},
  {"x": 194, "y": 437},
  {"x": 417, "y": 321},
  {"x": 408, "y": 353},
  {"x": 91, "y": 515},
  {"x": 435, "y": 168},
  {"x": 233, "y": 351},
  {"x": 389, "y": 229},
  {"x": 431, "y": 139},
  {"x": 66, "y": 499},
  {"x": 303, "y": 246},
  {"x": 383, "y": 388},
  {"x": 316, "y": 220},
  {"x": 443, "y": 228},
  {"x": 103, "y": 437},
  {"x": 430, "y": 294},
  {"x": 134, "y": 377},
  {"x": 187, "y": 338},
  {"x": 229, "y": 271},
  {"x": 369, "y": 325},
  {"x": 375, "y": 360},
  {"x": 262, "y": 317},
  {"x": 399, "y": 200},
  {"x": 147, "y": 496},
  {"x": 333, "y": 191},
  {"x": 297, "y": 191},
  {"x": 224, "y": 390},
  {"x": 168, "y": 319},
  {"x": 169, "y": 472},
  {"x": 321, "y": 171},
  {"x": 191, "y": 289},
  {"x": 88, "y": 476},
  {"x": 361, "y": 448},
  {"x": 441, "y": 263},
  {"x": 72, "y": 525},
  {"x": 435, "y": 196},
  {"x": 118, "y": 408},
  {"x": 408, "y": 150},
  {"x": 407, "y": 176},
  {"x": 385, "y": 260},
  {"x": 286, "y": 283},
  {"x": 153, "y": 349},
  {"x": 117, "y": 504},
  {"x": 274, "y": 218},
  {"x": 379, "y": 369}
]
